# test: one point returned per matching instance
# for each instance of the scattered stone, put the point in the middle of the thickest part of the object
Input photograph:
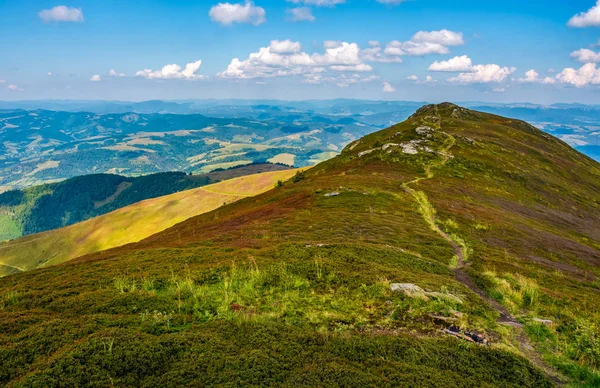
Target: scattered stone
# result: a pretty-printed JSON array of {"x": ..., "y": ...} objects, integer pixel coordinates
[
  {"x": 546, "y": 322},
  {"x": 405, "y": 287},
  {"x": 332, "y": 194},
  {"x": 388, "y": 145},
  {"x": 363, "y": 153},
  {"x": 424, "y": 130},
  {"x": 409, "y": 148}
]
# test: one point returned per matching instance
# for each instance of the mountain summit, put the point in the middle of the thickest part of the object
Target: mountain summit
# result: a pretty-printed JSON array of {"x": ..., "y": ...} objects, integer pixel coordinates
[{"x": 454, "y": 249}]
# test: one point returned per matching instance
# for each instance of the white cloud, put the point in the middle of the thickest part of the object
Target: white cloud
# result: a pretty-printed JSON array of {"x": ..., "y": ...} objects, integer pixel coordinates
[
  {"x": 319, "y": 3},
  {"x": 362, "y": 67},
  {"x": 428, "y": 80},
  {"x": 285, "y": 46},
  {"x": 2, "y": 81},
  {"x": 114, "y": 73},
  {"x": 490, "y": 73},
  {"x": 300, "y": 14},
  {"x": 397, "y": 48},
  {"x": 377, "y": 54},
  {"x": 586, "y": 56},
  {"x": 412, "y": 78},
  {"x": 530, "y": 77},
  {"x": 443, "y": 37},
  {"x": 49, "y": 74},
  {"x": 574, "y": 140},
  {"x": 13, "y": 87},
  {"x": 499, "y": 90},
  {"x": 425, "y": 43},
  {"x": 96, "y": 78},
  {"x": 458, "y": 64},
  {"x": 227, "y": 13},
  {"x": 585, "y": 75},
  {"x": 591, "y": 18},
  {"x": 387, "y": 88},
  {"x": 174, "y": 71},
  {"x": 286, "y": 58},
  {"x": 61, "y": 13},
  {"x": 533, "y": 76}
]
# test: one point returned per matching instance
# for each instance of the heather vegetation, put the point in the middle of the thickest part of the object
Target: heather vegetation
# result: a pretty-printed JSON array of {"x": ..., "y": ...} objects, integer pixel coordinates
[{"x": 456, "y": 249}]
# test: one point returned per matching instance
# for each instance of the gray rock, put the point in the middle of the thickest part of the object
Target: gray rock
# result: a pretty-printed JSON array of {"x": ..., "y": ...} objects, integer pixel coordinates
[
  {"x": 363, "y": 153},
  {"x": 405, "y": 287},
  {"x": 332, "y": 194}
]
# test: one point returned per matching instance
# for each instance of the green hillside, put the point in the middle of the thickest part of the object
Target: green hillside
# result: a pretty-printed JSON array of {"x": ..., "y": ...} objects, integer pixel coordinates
[
  {"x": 129, "y": 224},
  {"x": 51, "y": 206},
  {"x": 456, "y": 249}
]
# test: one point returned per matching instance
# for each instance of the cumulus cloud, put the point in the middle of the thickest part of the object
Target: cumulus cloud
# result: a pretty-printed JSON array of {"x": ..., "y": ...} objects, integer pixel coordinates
[
  {"x": 362, "y": 67},
  {"x": 300, "y": 14},
  {"x": 387, "y": 88},
  {"x": 443, "y": 37},
  {"x": 533, "y": 76},
  {"x": 96, "y": 78},
  {"x": 49, "y": 74},
  {"x": 319, "y": 3},
  {"x": 586, "y": 56},
  {"x": 285, "y": 46},
  {"x": 490, "y": 73},
  {"x": 456, "y": 64},
  {"x": 587, "y": 74},
  {"x": 574, "y": 140},
  {"x": 590, "y": 18},
  {"x": 2, "y": 81},
  {"x": 114, "y": 73},
  {"x": 227, "y": 13},
  {"x": 412, "y": 78},
  {"x": 13, "y": 87},
  {"x": 174, "y": 71},
  {"x": 286, "y": 58},
  {"x": 425, "y": 43},
  {"x": 61, "y": 13}
]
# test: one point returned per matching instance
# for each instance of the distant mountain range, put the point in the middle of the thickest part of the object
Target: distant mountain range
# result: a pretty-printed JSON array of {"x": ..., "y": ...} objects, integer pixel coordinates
[{"x": 46, "y": 141}]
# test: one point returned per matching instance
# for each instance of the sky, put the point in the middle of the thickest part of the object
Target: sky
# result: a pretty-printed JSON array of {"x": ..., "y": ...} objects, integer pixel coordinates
[{"x": 421, "y": 50}]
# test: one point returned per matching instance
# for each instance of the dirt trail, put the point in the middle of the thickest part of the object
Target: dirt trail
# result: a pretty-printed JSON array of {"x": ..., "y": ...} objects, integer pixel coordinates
[{"x": 505, "y": 318}]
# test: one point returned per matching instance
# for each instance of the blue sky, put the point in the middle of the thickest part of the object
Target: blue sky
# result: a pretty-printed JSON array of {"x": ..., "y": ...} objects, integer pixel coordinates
[{"x": 352, "y": 49}]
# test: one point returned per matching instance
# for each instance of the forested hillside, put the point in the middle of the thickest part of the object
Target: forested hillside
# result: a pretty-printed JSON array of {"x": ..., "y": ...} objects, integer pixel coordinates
[{"x": 51, "y": 206}]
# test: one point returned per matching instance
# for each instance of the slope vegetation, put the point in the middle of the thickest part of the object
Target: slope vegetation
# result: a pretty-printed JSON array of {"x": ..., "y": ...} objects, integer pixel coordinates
[
  {"x": 129, "y": 224},
  {"x": 51, "y": 206},
  {"x": 456, "y": 249}
]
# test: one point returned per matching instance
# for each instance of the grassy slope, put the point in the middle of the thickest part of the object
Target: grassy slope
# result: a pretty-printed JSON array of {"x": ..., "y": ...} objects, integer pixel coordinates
[
  {"x": 52, "y": 206},
  {"x": 293, "y": 286},
  {"x": 129, "y": 224}
]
